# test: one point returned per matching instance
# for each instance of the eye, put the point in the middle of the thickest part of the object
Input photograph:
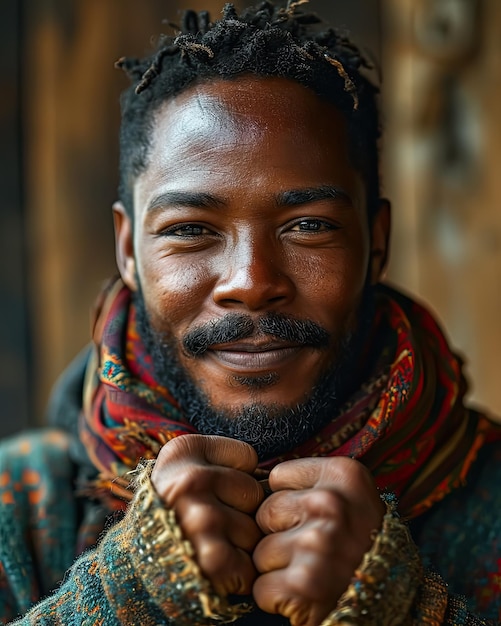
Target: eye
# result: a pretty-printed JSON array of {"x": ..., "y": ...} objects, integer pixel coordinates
[
  {"x": 312, "y": 225},
  {"x": 186, "y": 230}
]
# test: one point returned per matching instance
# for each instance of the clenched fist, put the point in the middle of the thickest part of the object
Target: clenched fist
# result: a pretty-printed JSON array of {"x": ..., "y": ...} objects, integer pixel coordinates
[
  {"x": 296, "y": 551},
  {"x": 318, "y": 525},
  {"x": 207, "y": 481}
]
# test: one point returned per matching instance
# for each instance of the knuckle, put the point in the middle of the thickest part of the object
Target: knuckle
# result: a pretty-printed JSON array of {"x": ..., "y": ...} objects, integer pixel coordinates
[
  {"x": 325, "y": 503},
  {"x": 198, "y": 518},
  {"x": 349, "y": 474},
  {"x": 319, "y": 536},
  {"x": 267, "y": 512},
  {"x": 213, "y": 555},
  {"x": 178, "y": 481},
  {"x": 302, "y": 584},
  {"x": 193, "y": 478},
  {"x": 297, "y": 577},
  {"x": 212, "y": 559},
  {"x": 312, "y": 590}
]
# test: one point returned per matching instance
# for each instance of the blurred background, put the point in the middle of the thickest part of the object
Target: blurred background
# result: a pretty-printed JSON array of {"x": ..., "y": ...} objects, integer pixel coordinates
[{"x": 441, "y": 67}]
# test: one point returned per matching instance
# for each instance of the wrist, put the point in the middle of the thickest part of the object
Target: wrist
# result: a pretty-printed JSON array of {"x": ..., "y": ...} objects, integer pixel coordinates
[
  {"x": 167, "y": 564},
  {"x": 386, "y": 582}
]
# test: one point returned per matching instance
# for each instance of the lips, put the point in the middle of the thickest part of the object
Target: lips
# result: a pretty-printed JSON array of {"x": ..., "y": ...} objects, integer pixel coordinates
[{"x": 253, "y": 357}]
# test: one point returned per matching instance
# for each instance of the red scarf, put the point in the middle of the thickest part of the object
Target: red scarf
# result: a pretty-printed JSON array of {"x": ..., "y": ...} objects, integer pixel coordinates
[{"x": 407, "y": 423}]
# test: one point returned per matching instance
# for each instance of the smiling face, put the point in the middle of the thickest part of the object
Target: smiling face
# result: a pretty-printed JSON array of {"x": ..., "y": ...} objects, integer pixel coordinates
[{"x": 250, "y": 211}]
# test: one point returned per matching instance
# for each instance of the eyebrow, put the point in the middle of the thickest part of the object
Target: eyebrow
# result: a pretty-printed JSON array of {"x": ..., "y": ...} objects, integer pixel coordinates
[
  {"x": 296, "y": 197},
  {"x": 292, "y": 197},
  {"x": 184, "y": 198}
]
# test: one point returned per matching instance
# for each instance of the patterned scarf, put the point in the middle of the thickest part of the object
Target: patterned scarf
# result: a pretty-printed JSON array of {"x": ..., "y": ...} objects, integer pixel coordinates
[{"x": 407, "y": 423}]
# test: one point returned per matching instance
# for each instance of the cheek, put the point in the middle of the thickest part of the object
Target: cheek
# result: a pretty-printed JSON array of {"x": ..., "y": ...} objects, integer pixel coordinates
[
  {"x": 331, "y": 282},
  {"x": 174, "y": 292}
]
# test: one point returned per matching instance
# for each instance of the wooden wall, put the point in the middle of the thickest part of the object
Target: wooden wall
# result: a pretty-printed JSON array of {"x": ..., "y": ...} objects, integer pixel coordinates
[
  {"x": 442, "y": 158},
  {"x": 71, "y": 118}
]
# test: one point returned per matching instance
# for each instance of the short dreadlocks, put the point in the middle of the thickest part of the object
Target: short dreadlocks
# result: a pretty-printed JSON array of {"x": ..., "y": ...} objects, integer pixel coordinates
[{"x": 266, "y": 40}]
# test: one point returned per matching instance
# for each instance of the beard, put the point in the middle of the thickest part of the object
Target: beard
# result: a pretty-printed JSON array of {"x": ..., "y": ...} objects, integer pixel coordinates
[{"x": 271, "y": 429}]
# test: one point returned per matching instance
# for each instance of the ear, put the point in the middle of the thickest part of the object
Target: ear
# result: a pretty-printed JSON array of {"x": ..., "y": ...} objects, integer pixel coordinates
[
  {"x": 380, "y": 239},
  {"x": 124, "y": 245}
]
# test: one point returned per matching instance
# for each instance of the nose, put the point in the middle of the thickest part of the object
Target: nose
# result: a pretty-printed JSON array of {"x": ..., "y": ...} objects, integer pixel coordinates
[{"x": 253, "y": 276}]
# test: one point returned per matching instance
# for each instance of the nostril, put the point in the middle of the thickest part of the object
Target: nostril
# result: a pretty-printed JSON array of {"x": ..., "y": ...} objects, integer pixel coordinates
[
  {"x": 277, "y": 298},
  {"x": 256, "y": 290}
]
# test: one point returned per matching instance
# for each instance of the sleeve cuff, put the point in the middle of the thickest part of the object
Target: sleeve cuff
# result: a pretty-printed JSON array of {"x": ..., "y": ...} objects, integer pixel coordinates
[{"x": 165, "y": 562}]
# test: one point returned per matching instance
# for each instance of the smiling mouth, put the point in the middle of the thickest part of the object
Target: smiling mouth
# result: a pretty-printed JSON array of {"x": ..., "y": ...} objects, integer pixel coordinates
[{"x": 247, "y": 357}]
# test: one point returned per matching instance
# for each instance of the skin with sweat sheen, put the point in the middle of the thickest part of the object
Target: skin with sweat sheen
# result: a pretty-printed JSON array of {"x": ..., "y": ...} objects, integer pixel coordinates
[{"x": 242, "y": 209}]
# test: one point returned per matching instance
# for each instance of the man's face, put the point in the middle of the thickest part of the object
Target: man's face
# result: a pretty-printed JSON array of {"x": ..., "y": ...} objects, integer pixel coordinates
[{"x": 251, "y": 241}]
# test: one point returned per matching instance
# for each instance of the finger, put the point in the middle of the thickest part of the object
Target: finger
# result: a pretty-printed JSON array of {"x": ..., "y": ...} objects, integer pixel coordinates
[
  {"x": 349, "y": 477},
  {"x": 230, "y": 453},
  {"x": 211, "y": 449},
  {"x": 280, "y": 511},
  {"x": 319, "y": 544},
  {"x": 238, "y": 489},
  {"x": 229, "y": 569},
  {"x": 281, "y": 592},
  {"x": 198, "y": 518},
  {"x": 285, "y": 510},
  {"x": 235, "y": 488},
  {"x": 268, "y": 592},
  {"x": 273, "y": 552}
]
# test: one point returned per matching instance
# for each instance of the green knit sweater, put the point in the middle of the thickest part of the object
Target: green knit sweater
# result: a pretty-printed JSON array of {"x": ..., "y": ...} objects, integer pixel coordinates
[{"x": 142, "y": 572}]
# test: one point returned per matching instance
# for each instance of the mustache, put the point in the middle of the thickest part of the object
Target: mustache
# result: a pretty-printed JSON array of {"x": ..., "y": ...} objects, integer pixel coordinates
[{"x": 235, "y": 326}]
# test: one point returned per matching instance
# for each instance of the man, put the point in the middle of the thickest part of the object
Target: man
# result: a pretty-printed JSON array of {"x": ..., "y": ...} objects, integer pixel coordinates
[{"x": 258, "y": 410}]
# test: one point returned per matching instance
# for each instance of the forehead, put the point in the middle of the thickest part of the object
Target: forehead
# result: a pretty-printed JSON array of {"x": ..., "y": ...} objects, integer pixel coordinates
[
  {"x": 248, "y": 108},
  {"x": 282, "y": 99},
  {"x": 270, "y": 131}
]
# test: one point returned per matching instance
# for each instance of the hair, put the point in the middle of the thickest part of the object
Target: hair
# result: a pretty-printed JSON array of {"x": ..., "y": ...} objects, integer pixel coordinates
[{"x": 265, "y": 40}]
